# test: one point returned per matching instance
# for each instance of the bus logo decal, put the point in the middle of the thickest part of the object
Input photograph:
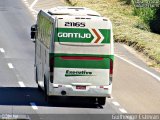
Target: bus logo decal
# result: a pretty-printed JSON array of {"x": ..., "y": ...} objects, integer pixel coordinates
[{"x": 78, "y": 73}]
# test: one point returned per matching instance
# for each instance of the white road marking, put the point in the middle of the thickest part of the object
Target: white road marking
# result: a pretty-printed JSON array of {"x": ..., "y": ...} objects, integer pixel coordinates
[
  {"x": 30, "y": 7},
  {"x": 10, "y": 65},
  {"x": 33, "y": 4},
  {"x": 21, "y": 84},
  {"x": 33, "y": 105},
  {"x": 2, "y": 50},
  {"x": 131, "y": 63},
  {"x": 122, "y": 110},
  {"x": 116, "y": 103}
]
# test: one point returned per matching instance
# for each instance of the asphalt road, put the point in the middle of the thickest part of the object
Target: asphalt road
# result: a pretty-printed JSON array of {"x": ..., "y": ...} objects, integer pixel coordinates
[{"x": 134, "y": 91}]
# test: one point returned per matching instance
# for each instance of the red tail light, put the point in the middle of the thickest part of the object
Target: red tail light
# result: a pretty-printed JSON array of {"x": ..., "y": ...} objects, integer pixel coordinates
[
  {"x": 51, "y": 62},
  {"x": 81, "y": 58},
  {"x": 110, "y": 71},
  {"x": 111, "y": 67}
]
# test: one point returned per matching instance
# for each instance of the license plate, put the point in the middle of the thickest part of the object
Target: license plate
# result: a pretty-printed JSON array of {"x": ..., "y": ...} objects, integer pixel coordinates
[{"x": 81, "y": 87}]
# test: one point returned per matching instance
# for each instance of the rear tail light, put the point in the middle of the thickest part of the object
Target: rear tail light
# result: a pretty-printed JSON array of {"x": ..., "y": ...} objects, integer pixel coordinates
[
  {"x": 51, "y": 77},
  {"x": 111, "y": 67},
  {"x": 51, "y": 62},
  {"x": 110, "y": 71}
]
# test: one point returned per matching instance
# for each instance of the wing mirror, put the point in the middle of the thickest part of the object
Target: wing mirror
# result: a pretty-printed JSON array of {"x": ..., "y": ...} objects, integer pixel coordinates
[{"x": 33, "y": 32}]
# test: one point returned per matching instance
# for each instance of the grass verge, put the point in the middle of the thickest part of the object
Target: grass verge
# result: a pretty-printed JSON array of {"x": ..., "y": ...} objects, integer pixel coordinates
[{"x": 125, "y": 26}]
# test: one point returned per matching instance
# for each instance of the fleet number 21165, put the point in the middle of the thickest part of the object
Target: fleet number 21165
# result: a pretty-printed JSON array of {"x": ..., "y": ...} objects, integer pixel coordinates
[{"x": 75, "y": 24}]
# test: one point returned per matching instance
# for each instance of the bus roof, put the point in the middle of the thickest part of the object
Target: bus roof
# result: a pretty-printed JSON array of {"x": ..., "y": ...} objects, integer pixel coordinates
[{"x": 73, "y": 11}]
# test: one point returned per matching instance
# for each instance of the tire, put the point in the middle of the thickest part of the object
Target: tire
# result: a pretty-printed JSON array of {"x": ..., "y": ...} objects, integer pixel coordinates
[
  {"x": 101, "y": 100},
  {"x": 36, "y": 78},
  {"x": 47, "y": 98},
  {"x": 39, "y": 88}
]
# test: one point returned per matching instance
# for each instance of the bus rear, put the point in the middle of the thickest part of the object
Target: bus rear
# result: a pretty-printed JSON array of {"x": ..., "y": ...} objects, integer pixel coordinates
[{"x": 81, "y": 60}]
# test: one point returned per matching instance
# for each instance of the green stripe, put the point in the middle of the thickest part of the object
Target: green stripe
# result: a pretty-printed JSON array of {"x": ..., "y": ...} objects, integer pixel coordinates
[
  {"x": 79, "y": 35},
  {"x": 92, "y": 64}
]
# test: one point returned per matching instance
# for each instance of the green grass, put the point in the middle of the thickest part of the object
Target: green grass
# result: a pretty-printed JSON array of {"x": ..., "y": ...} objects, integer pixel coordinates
[
  {"x": 147, "y": 14},
  {"x": 125, "y": 26}
]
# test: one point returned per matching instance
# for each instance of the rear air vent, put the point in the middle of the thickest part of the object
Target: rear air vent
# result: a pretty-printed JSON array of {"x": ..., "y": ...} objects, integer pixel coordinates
[
  {"x": 73, "y": 11},
  {"x": 77, "y": 8},
  {"x": 82, "y": 18},
  {"x": 58, "y": 13},
  {"x": 77, "y": 18},
  {"x": 105, "y": 20},
  {"x": 50, "y": 13},
  {"x": 93, "y": 15}
]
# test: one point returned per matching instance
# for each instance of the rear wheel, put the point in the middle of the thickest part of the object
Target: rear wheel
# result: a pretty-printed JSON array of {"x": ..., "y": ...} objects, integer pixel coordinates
[
  {"x": 39, "y": 88},
  {"x": 101, "y": 100},
  {"x": 47, "y": 98},
  {"x": 36, "y": 78}
]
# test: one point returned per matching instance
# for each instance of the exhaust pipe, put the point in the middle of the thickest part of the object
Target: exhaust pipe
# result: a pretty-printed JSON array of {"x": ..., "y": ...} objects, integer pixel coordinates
[{"x": 63, "y": 92}]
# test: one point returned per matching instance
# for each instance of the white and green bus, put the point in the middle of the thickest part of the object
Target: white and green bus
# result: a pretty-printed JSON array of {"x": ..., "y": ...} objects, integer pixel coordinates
[{"x": 74, "y": 53}]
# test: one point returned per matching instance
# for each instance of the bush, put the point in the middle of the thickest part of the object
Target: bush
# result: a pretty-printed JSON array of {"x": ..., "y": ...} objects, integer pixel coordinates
[
  {"x": 146, "y": 14},
  {"x": 149, "y": 15},
  {"x": 155, "y": 23}
]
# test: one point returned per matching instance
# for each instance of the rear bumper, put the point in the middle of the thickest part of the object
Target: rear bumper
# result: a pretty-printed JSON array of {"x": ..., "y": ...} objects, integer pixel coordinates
[{"x": 90, "y": 91}]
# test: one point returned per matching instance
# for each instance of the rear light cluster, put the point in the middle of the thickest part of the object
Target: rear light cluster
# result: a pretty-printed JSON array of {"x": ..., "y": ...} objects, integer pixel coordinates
[
  {"x": 51, "y": 62},
  {"x": 111, "y": 71},
  {"x": 111, "y": 67},
  {"x": 51, "y": 77}
]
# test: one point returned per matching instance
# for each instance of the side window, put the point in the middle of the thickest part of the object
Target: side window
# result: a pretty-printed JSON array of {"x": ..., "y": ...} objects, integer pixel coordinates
[
  {"x": 48, "y": 33},
  {"x": 44, "y": 30},
  {"x": 39, "y": 27}
]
